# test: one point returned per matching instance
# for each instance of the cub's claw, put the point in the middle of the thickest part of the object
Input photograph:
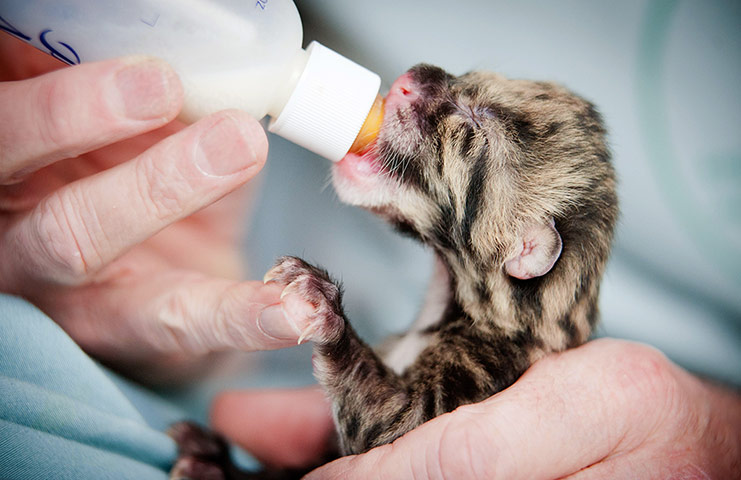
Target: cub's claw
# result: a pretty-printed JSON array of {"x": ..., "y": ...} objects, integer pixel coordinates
[{"x": 310, "y": 298}]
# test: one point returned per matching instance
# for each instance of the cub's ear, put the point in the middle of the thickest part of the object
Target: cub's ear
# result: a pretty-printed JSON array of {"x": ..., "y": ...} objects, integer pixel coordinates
[{"x": 540, "y": 247}]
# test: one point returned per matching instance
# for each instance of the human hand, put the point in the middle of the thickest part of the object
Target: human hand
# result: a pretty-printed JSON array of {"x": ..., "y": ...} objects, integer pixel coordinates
[
  {"x": 103, "y": 222},
  {"x": 608, "y": 409}
]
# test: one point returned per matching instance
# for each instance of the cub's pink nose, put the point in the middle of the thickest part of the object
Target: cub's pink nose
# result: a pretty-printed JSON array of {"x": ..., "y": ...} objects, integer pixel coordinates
[{"x": 403, "y": 92}]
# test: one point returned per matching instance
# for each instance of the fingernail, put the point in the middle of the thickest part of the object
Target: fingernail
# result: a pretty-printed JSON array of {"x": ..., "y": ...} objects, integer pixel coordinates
[
  {"x": 273, "y": 323},
  {"x": 148, "y": 89},
  {"x": 224, "y": 148}
]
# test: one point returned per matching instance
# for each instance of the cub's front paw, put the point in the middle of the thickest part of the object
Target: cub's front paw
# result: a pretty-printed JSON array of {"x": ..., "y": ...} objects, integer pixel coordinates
[{"x": 309, "y": 298}]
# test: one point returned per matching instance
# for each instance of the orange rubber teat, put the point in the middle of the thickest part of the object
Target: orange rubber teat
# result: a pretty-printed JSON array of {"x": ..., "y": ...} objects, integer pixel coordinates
[{"x": 371, "y": 127}]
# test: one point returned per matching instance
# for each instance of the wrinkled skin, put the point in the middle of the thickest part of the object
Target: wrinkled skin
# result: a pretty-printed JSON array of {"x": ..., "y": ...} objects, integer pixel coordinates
[
  {"x": 607, "y": 409},
  {"x": 122, "y": 224}
]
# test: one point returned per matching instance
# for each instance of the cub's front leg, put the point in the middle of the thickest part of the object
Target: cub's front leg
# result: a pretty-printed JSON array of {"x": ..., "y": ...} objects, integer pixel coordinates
[{"x": 348, "y": 369}]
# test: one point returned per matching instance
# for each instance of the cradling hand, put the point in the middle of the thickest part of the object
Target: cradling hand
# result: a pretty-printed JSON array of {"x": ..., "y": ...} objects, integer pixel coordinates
[
  {"x": 122, "y": 224},
  {"x": 608, "y": 409}
]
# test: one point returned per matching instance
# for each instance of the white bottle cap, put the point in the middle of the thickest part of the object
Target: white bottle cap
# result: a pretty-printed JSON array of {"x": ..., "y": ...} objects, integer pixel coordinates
[{"x": 331, "y": 101}]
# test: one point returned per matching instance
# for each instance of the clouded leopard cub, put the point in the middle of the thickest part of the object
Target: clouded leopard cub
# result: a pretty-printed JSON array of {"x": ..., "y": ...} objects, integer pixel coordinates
[{"x": 510, "y": 183}]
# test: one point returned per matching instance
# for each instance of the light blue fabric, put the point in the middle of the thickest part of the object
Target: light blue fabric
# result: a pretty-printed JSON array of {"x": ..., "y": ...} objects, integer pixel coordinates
[{"x": 63, "y": 416}]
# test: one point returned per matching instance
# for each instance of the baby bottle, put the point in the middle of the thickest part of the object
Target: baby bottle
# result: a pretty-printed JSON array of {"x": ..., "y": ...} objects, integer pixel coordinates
[{"x": 243, "y": 54}]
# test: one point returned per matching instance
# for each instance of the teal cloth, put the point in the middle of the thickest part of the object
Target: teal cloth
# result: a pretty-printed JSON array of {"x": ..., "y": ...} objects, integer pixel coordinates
[{"x": 64, "y": 416}]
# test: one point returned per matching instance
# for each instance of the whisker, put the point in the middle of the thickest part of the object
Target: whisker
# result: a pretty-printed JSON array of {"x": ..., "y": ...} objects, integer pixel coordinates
[{"x": 327, "y": 183}]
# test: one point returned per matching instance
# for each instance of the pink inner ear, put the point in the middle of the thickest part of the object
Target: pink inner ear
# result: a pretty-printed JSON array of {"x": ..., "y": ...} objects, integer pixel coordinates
[{"x": 541, "y": 247}]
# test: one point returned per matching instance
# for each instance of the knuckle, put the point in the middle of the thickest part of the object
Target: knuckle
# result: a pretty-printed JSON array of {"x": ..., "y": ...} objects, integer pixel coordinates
[
  {"x": 644, "y": 382},
  {"x": 464, "y": 450},
  {"x": 229, "y": 325},
  {"x": 54, "y": 101},
  {"x": 641, "y": 373},
  {"x": 163, "y": 190},
  {"x": 55, "y": 247},
  {"x": 173, "y": 326},
  {"x": 185, "y": 321}
]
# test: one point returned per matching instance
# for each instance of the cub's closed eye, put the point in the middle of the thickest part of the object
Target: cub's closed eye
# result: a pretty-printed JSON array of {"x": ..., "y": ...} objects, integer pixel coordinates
[{"x": 475, "y": 115}]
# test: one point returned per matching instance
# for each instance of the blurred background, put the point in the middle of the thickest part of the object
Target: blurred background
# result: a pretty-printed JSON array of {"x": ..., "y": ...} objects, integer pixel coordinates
[{"x": 665, "y": 75}]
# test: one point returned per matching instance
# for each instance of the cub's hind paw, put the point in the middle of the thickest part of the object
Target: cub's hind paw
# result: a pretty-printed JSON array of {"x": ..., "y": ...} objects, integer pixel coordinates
[
  {"x": 194, "y": 440},
  {"x": 194, "y": 468},
  {"x": 310, "y": 298},
  {"x": 202, "y": 455}
]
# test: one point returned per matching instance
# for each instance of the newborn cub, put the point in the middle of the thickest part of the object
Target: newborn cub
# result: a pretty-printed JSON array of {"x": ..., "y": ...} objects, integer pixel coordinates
[{"x": 510, "y": 183}]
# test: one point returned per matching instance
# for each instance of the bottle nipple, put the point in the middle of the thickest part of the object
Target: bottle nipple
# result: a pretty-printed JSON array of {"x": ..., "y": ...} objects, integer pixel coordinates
[
  {"x": 329, "y": 102},
  {"x": 371, "y": 127}
]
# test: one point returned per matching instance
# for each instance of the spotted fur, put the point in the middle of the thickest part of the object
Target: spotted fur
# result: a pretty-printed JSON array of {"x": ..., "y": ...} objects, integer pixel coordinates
[
  {"x": 469, "y": 165},
  {"x": 465, "y": 169}
]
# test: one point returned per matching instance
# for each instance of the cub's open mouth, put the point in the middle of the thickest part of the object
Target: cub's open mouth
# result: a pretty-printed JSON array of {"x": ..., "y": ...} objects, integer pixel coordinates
[{"x": 361, "y": 166}]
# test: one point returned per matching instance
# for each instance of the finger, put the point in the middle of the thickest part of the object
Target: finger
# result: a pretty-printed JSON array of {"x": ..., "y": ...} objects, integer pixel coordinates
[
  {"x": 639, "y": 465},
  {"x": 291, "y": 429},
  {"x": 82, "y": 227},
  {"x": 75, "y": 110},
  {"x": 547, "y": 425},
  {"x": 177, "y": 314}
]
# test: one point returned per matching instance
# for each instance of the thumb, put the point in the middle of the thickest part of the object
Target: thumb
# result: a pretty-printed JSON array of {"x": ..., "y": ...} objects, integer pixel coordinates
[
  {"x": 567, "y": 412},
  {"x": 451, "y": 446}
]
